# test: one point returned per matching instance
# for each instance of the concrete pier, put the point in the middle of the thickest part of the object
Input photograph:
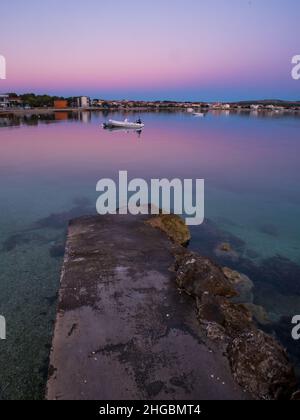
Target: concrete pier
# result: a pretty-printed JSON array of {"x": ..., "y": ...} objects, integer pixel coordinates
[{"x": 123, "y": 329}]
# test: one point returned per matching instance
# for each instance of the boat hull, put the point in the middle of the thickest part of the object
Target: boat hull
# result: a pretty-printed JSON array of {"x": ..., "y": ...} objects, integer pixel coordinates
[{"x": 123, "y": 124}]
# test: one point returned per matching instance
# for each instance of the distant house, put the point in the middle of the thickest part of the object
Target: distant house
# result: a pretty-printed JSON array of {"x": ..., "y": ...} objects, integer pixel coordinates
[
  {"x": 217, "y": 105},
  {"x": 15, "y": 102},
  {"x": 97, "y": 102},
  {"x": 4, "y": 101},
  {"x": 60, "y": 104},
  {"x": 94, "y": 102},
  {"x": 7, "y": 101}
]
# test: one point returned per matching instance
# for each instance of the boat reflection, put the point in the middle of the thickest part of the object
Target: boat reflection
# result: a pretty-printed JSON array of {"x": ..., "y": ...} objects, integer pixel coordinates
[{"x": 124, "y": 130}]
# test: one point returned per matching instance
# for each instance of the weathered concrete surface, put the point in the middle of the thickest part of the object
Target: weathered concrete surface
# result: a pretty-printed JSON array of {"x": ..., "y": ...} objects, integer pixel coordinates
[{"x": 123, "y": 330}]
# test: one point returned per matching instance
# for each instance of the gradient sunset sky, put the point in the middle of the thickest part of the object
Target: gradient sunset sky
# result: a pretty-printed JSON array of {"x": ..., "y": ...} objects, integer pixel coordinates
[{"x": 151, "y": 49}]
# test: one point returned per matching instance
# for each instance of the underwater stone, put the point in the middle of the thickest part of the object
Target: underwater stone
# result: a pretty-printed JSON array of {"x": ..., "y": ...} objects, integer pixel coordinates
[
  {"x": 224, "y": 250},
  {"x": 241, "y": 283},
  {"x": 259, "y": 313},
  {"x": 57, "y": 250},
  {"x": 269, "y": 229}
]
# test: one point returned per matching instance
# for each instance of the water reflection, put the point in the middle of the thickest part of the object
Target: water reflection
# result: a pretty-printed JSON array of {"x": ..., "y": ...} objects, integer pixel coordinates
[
  {"x": 61, "y": 116},
  {"x": 124, "y": 130},
  {"x": 26, "y": 119},
  {"x": 45, "y": 117},
  {"x": 35, "y": 119}
]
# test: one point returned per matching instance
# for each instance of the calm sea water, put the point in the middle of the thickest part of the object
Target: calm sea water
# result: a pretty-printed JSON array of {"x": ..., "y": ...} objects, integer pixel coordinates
[{"x": 49, "y": 168}]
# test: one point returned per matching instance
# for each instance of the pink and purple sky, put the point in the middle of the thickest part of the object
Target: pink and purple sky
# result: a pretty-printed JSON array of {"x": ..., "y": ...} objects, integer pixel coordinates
[{"x": 151, "y": 49}]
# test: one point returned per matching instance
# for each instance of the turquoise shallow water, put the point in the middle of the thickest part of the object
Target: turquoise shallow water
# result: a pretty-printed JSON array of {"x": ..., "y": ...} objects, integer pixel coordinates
[{"x": 49, "y": 168}]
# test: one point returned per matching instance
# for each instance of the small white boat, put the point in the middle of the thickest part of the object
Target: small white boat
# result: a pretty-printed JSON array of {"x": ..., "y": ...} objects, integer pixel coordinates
[
  {"x": 138, "y": 125},
  {"x": 199, "y": 114}
]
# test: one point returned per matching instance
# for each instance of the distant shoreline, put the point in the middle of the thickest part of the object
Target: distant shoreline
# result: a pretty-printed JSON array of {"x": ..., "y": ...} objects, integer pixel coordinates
[
  {"x": 44, "y": 111},
  {"x": 32, "y": 104}
]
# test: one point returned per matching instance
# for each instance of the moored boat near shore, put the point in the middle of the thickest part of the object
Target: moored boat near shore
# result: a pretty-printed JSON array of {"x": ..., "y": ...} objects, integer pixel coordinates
[{"x": 138, "y": 125}]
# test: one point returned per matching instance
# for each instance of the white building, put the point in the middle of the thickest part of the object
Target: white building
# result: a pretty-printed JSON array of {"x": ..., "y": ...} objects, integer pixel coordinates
[
  {"x": 4, "y": 101},
  {"x": 83, "y": 102}
]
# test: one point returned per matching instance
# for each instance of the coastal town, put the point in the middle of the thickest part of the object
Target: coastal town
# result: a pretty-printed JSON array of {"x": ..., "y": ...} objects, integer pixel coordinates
[{"x": 31, "y": 103}]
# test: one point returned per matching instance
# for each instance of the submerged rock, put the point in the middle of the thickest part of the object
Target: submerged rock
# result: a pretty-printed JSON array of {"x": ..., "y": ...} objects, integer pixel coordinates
[
  {"x": 241, "y": 283},
  {"x": 259, "y": 313},
  {"x": 269, "y": 229},
  {"x": 57, "y": 250},
  {"x": 225, "y": 247},
  {"x": 61, "y": 220},
  {"x": 252, "y": 254},
  {"x": 21, "y": 239},
  {"x": 281, "y": 273},
  {"x": 173, "y": 226},
  {"x": 211, "y": 238},
  {"x": 224, "y": 250},
  {"x": 13, "y": 241}
]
